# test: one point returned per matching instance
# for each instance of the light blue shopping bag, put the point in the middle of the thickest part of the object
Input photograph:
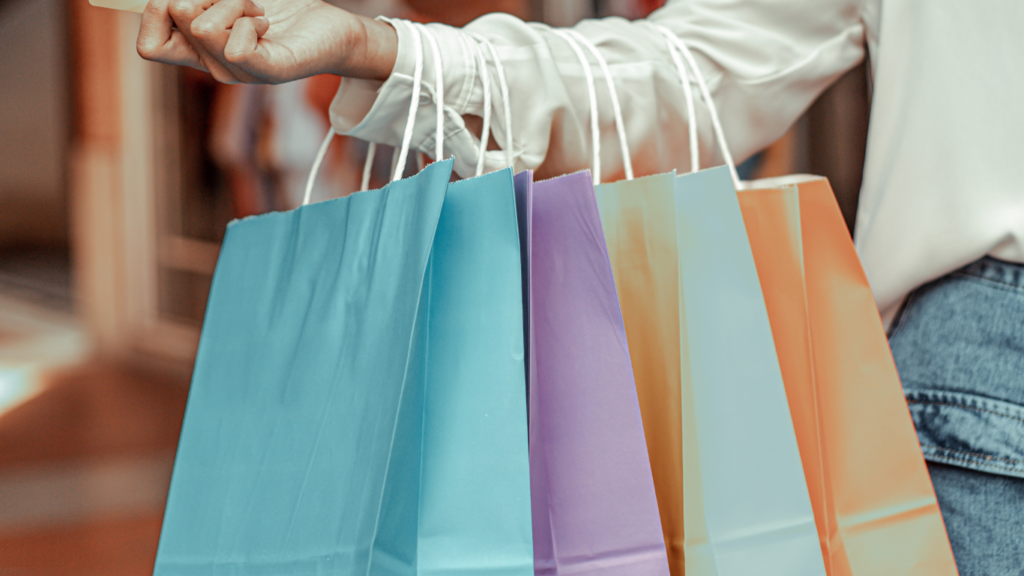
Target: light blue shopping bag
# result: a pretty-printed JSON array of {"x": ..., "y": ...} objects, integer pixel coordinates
[
  {"x": 757, "y": 515},
  {"x": 358, "y": 404}
]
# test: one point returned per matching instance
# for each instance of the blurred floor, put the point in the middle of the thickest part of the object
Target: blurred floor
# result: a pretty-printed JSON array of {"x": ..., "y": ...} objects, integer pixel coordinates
[
  {"x": 86, "y": 446},
  {"x": 39, "y": 276}
]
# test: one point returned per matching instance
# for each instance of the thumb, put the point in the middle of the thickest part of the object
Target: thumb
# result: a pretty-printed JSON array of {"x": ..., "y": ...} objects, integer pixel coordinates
[
  {"x": 261, "y": 24},
  {"x": 242, "y": 48}
]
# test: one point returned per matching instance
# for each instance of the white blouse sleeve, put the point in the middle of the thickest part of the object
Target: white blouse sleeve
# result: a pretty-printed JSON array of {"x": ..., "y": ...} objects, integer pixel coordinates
[{"x": 765, "y": 62}]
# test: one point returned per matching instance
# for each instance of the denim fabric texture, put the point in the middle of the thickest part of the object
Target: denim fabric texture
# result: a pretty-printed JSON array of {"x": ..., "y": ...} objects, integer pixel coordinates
[
  {"x": 983, "y": 514},
  {"x": 958, "y": 344}
]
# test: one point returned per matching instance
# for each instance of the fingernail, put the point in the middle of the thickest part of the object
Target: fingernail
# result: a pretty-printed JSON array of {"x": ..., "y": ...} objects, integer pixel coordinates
[{"x": 257, "y": 5}]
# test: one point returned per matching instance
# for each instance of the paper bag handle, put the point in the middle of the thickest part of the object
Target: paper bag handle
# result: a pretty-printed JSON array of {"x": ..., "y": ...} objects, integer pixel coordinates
[
  {"x": 505, "y": 103},
  {"x": 620, "y": 127},
  {"x": 417, "y": 82},
  {"x": 684, "y": 50},
  {"x": 595, "y": 130}
]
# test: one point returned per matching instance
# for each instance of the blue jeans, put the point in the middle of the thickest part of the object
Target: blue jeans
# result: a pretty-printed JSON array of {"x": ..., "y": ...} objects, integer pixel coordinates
[{"x": 959, "y": 348}]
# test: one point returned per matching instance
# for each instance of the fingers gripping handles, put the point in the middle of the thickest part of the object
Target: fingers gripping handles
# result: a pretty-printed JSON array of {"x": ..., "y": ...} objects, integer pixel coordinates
[{"x": 417, "y": 82}]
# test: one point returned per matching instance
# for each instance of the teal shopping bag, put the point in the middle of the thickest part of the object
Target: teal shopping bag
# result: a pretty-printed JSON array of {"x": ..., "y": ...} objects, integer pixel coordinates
[
  {"x": 358, "y": 404},
  {"x": 475, "y": 513}
]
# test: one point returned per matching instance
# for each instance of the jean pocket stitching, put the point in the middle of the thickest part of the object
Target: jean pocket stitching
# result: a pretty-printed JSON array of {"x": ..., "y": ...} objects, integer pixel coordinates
[
  {"x": 972, "y": 458},
  {"x": 977, "y": 454},
  {"x": 999, "y": 284},
  {"x": 966, "y": 407}
]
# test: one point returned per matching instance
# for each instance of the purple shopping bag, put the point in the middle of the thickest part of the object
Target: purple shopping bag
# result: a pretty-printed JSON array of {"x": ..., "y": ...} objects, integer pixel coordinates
[{"x": 594, "y": 507}]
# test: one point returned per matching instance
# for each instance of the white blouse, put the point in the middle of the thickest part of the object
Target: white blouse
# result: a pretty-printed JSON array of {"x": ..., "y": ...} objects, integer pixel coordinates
[{"x": 946, "y": 130}]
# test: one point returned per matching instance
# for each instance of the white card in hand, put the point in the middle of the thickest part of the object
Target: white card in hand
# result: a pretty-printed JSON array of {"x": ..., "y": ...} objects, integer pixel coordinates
[{"x": 129, "y": 5}]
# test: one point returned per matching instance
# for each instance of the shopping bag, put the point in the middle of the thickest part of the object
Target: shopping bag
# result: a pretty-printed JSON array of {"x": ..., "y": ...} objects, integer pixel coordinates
[
  {"x": 757, "y": 511},
  {"x": 702, "y": 349},
  {"x": 313, "y": 323},
  {"x": 745, "y": 503},
  {"x": 358, "y": 403},
  {"x": 594, "y": 506},
  {"x": 873, "y": 501},
  {"x": 475, "y": 488},
  {"x": 638, "y": 218}
]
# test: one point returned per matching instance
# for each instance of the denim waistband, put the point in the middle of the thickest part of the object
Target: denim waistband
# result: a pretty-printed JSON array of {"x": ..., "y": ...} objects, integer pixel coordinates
[
  {"x": 959, "y": 348},
  {"x": 999, "y": 271}
]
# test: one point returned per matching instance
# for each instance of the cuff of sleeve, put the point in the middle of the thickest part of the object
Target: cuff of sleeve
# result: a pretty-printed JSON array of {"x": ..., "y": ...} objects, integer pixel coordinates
[
  {"x": 377, "y": 111},
  {"x": 370, "y": 109}
]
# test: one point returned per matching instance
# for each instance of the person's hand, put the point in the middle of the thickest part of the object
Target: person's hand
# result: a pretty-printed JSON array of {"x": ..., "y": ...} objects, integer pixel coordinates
[{"x": 283, "y": 40}]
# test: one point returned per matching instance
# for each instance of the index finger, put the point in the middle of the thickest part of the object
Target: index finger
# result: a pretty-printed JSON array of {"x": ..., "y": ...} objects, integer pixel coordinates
[{"x": 160, "y": 41}]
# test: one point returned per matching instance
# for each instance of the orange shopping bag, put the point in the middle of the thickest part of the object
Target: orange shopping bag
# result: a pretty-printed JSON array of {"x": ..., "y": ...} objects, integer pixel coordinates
[{"x": 873, "y": 501}]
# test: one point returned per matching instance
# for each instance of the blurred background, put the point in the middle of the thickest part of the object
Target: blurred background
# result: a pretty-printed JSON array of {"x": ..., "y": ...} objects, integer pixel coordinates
[{"x": 117, "y": 178}]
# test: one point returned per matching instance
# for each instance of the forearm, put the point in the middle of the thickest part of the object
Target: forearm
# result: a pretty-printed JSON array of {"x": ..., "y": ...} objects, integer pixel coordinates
[
  {"x": 765, "y": 62},
  {"x": 370, "y": 48},
  {"x": 549, "y": 101}
]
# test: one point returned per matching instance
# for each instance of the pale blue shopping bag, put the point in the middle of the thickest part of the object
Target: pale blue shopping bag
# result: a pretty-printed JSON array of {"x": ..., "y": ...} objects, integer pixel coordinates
[
  {"x": 757, "y": 515},
  {"x": 358, "y": 404}
]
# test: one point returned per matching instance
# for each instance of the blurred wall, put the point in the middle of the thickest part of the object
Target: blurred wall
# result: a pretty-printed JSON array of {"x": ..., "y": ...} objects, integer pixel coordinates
[
  {"x": 34, "y": 123},
  {"x": 838, "y": 136}
]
